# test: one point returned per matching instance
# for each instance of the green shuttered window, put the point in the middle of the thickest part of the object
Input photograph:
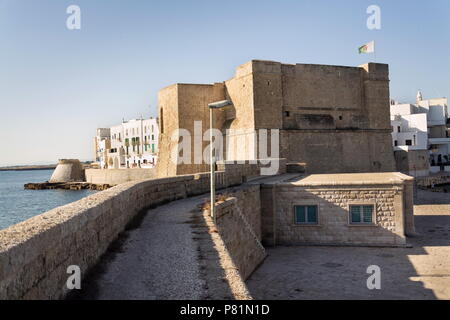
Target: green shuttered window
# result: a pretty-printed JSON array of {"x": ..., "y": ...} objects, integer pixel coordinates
[
  {"x": 361, "y": 214},
  {"x": 306, "y": 214}
]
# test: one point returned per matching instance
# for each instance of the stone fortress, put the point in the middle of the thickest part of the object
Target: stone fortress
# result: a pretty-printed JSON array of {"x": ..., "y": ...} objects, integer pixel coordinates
[
  {"x": 334, "y": 128},
  {"x": 336, "y": 183},
  {"x": 332, "y": 119}
]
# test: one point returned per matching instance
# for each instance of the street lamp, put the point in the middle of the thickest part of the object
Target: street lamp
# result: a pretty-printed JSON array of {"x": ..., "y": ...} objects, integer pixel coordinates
[{"x": 212, "y": 156}]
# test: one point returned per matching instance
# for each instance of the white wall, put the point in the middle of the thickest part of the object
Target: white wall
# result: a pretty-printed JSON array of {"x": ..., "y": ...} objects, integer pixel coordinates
[
  {"x": 402, "y": 109},
  {"x": 412, "y": 127}
]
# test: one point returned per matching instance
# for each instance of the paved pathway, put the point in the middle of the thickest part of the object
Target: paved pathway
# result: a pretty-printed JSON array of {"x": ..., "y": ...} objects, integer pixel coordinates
[
  {"x": 158, "y": 260},
  {"x": 421, "y": 272}
]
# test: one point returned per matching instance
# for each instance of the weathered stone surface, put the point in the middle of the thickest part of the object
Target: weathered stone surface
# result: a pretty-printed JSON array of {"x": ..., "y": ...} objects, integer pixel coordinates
[
  {"x": 239, "y": 225},
  {"x": 389, "y": 193},
  {"x": 35, "y": 254},
  {"x": 68, "y": 170},
  {"x": 324, "y": 113}
]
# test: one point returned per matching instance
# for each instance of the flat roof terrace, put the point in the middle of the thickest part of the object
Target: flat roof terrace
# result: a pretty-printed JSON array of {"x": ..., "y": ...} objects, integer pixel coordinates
[{"x": 335, "y": 179}]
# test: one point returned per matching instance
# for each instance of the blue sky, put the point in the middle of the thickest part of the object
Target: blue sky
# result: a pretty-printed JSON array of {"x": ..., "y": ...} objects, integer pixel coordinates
[{"x": 57, "y": 86}]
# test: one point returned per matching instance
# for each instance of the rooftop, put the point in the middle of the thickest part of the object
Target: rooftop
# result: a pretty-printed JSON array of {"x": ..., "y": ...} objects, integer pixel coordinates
[{"x": 338, "y": 179}]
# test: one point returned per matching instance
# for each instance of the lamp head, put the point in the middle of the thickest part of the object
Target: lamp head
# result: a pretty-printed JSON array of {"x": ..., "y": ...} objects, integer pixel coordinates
[{"x": 219, "y": 104}]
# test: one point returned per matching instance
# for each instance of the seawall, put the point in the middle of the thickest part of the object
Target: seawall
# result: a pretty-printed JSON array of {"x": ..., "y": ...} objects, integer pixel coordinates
[
  {"x": 118, "y": 176},
  {"x": 35, "y": 254}
]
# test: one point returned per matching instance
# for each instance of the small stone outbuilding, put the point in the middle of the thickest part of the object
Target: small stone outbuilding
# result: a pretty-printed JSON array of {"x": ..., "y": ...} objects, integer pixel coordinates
[{"x": 338, "y": 209}]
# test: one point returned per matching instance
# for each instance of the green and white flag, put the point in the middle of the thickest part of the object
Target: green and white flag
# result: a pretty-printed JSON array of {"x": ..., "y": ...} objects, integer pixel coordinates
[{"x": 367, "y": 48}]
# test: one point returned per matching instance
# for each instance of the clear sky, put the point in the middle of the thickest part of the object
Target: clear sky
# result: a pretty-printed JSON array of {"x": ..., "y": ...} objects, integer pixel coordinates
[{"x": 58, "y": 85}]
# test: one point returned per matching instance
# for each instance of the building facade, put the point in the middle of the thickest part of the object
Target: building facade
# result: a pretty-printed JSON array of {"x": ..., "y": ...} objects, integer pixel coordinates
[
  {"x": 420, "y": 136},
  {"x": 338, "y": 209},
  {"x": 132, "y": 144},
  {"x": 102, "y": 143}
]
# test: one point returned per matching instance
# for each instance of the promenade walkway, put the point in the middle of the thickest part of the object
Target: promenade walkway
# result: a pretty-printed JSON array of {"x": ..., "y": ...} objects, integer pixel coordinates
[
  {"x": 419, "y": 272},
  {"x": 156, "y": 260}
]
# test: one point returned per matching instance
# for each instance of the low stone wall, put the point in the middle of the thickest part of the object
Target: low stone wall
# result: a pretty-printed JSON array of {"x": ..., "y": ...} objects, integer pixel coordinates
[
  {"x": 35, "y": 254},
  {"x": 437, "y": 179},
  {"x": 118, "y": 176},
  {"x": 239, "y": 225},
  {"x": 413, "y": 162},
  {"x": 253, "y": 168}
]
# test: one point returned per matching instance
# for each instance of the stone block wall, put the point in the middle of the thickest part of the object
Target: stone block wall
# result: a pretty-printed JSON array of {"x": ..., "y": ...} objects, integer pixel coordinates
[
  {"x": 35, "y": 254},
  {"x": 333, "y": 215},
  {"x": 239, "y": 225},
  {"x": 432, "y": 180},
  {"x": 412, "y": 162},
  {"x": 308, "y": 103},
  {"x": 118, "y": 176},
  {"x": 68, "y": 170}
]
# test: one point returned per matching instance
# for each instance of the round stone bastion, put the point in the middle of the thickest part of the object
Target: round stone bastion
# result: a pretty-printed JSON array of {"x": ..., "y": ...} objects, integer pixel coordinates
[{"x": 68, "y": 170}]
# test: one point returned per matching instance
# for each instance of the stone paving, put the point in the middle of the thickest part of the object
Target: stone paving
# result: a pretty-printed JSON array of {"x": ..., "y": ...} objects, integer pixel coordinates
[
  {"x": 420, "y": 272},
  {"x": 157, "y": 260}
]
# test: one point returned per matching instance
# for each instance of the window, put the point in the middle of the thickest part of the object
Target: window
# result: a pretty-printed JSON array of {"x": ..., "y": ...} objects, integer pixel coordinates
[
  {"x": 361, "y": 214},
  {"x": 305, "y": 214},
  {"x": 395, "y": 143},
  {"x": 408, "y": 142},
  {"x": 398, "y": 129}
]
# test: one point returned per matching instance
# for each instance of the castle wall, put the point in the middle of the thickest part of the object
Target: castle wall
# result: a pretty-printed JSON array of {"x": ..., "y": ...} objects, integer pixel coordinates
[
  {"x": 180, "y": 106},
  {"x": 324, "y": 114},
  {"x": 335, "y": 151}
]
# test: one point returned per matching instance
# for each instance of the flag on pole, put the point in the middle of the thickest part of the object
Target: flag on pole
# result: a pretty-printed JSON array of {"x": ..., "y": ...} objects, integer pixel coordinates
[{"x": 367, "y": 48}]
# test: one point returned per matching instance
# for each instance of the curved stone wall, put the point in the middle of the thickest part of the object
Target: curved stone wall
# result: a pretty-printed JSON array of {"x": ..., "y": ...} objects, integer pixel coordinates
[
  {"x": 68, "y": 170},
  {"x": 35, "y": 254}
]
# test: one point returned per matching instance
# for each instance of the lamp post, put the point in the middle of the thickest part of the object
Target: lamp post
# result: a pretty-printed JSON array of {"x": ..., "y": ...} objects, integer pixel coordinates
[{"x": 212, "y": 156}]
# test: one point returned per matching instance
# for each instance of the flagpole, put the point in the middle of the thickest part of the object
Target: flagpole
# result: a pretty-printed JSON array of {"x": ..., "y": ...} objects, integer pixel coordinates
[{"x": 374, "y": 51}]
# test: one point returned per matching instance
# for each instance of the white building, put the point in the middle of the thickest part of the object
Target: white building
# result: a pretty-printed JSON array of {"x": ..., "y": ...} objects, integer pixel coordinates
[
  {"x": 423, "y": 126},
  {"x": 409, "y": 131},
  {"x": 102, "y": 144},
  {"x": 132, "y": 144}
]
